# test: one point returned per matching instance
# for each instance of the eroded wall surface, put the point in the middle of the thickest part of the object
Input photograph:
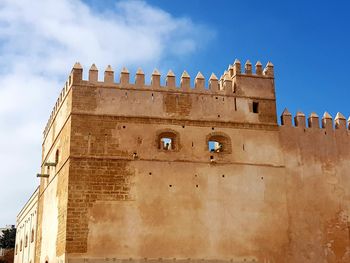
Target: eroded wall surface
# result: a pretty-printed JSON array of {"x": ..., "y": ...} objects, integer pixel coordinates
[{"x": 318, "y": 192}]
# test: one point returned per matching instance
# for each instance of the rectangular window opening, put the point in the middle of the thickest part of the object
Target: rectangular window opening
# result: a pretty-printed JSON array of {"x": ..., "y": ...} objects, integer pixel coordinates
[{"x": 255, "y": 107}]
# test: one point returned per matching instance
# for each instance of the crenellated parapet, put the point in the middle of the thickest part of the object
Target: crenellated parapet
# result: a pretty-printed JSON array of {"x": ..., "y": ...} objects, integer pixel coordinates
[
  {"x": 199, "y": 84},
  {"x": 234, "y": 82},
  {"x": 75, "y": 77},
  {"x": 313, "y": 121}
]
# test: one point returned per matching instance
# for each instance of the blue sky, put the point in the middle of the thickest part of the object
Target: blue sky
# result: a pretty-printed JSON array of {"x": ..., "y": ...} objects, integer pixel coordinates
[{"x": 307, "y": 41}]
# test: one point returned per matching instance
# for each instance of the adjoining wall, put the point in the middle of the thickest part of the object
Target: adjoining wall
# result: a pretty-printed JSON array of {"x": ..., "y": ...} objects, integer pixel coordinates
[{"x": 318, "y": 188}]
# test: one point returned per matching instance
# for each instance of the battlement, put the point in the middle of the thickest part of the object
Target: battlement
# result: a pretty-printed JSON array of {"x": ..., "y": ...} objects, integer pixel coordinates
[
  {"x": 313, "y": 121},
  {"x": 235, "y": 82},
  {"x": 215, "y": 85}
]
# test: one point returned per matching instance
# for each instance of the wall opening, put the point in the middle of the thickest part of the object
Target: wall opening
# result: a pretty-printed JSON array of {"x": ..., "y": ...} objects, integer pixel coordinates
[
  {"x": 255, "y": 107},
  {"x": 167, "y": 141},
  {"x": 218, "y": 143},
  {"x": 215, "y": 146}
]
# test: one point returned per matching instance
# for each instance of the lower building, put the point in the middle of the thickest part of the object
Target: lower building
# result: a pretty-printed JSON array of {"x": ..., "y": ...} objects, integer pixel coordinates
[{"x": 26, "y": 224}]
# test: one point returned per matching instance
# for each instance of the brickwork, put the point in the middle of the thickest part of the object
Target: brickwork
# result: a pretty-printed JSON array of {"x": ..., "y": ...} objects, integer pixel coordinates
[{"x": 92, "y": 180}]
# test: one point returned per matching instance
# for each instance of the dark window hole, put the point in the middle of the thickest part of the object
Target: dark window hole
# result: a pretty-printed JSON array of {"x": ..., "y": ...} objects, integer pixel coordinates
[
  {"x": 197, "y": 185},
  {"x": 223, "y": 175},
  {"x": 262, "y": 178},
  {"x": 183, "y": 126},
  {"x": 212, "y": 128},
  {"x": 218, "y": 115},
  {"x": 255, "y": 107},
  {"x": 124, "y": 127},
  {"x": 150, "y": 173},
  {"x": 170, "y": 185}
]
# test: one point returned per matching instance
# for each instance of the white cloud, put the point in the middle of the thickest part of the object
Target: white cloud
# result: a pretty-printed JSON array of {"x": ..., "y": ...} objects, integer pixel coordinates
[{"x": 40, "y": 41}]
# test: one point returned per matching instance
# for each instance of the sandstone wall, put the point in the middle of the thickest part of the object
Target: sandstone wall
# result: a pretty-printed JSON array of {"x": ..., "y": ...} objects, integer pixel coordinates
[{"x": 318, "y": 193}]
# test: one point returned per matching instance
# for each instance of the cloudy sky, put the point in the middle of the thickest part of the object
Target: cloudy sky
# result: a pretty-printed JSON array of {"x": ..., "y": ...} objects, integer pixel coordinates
[{"x": 40, "y": 41}]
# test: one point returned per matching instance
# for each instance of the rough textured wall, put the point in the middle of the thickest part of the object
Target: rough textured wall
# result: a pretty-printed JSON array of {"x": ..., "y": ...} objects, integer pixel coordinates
[{"x": 318, "y": 192}]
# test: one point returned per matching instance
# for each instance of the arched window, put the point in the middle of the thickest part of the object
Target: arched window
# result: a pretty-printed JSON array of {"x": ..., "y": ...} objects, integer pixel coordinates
[
  {"x": 168, "y": 140},
  {"x": 219, "y": 143},
  {"x": 57, "y": 156}
]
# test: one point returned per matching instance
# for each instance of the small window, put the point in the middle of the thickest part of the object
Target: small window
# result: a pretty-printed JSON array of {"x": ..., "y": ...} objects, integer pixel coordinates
[
  {"x": 219, "y": 143},
  {"x": 20, "y": 246},
  {"x": 167, "y": 141},
  {"x": 255, "y": 107},
  {"x": 16, "y": 248},
  {"x": 26, "y": 241}
]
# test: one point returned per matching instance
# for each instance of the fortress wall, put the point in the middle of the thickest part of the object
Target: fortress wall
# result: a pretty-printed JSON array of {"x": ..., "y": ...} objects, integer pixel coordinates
[{"x": 318, "y": 193}]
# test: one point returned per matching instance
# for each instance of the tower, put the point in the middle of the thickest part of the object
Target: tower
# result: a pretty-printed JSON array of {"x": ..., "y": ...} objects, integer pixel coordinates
[{"x": 142, "y": 172}]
